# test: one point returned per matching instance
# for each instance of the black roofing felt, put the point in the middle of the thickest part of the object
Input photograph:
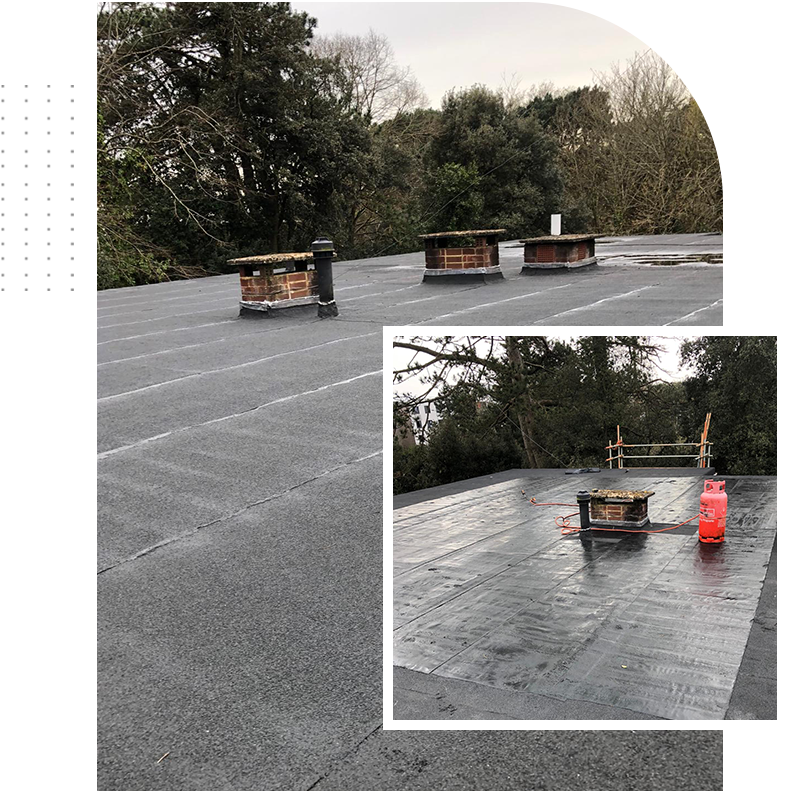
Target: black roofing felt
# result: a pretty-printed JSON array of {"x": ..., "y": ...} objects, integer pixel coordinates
[{"x": 488, "y": 592}]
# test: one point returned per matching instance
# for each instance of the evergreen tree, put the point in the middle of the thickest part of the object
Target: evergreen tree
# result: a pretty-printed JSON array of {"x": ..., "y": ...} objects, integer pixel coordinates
[{"x": 735, "y": 379}]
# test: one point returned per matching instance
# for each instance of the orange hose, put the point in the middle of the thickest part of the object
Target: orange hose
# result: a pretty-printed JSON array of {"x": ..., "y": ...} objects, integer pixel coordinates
[{"x": 563, "y": 522}]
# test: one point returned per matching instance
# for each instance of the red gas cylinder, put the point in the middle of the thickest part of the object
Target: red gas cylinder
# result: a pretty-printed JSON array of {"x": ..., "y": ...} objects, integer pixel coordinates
[{"x": 713, "y": 512}]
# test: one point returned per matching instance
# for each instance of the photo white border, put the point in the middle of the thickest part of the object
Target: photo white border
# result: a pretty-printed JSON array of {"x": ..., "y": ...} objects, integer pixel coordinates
[
  {"x": 744, "y": 66},
  {"x": 389, "y": 721}
]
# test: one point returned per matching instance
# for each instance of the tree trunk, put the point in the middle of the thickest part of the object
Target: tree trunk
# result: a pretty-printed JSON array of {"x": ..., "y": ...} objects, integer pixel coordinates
[{"x": 524, "y": 411}]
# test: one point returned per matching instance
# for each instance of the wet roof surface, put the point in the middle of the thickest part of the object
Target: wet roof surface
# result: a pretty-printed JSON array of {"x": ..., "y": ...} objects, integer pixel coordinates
[{"x": 490, "y": 596}]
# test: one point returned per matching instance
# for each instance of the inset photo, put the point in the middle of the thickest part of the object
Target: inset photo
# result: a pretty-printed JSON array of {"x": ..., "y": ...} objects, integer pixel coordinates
[{"x": 583, "y": 528}]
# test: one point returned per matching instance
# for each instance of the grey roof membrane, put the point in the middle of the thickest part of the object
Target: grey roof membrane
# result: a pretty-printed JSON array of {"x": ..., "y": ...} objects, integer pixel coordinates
[
  {"x": 488, "y": 592},
  {"x": 240, "y": 531}
]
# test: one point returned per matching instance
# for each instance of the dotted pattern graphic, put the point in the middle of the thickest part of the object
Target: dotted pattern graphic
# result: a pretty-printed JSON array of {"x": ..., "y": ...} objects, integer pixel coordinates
[{"x": 38, "y": 189}]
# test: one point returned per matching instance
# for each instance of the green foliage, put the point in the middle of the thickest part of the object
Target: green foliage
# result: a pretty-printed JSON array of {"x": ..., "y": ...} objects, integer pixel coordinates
[
  {"x": 503, "y": 160},
  {"x": 736, "y": 380},
  {"x": 549, "y": 403},
  {"x": 247, "y": 139},
  {"x": 454, "y": 188},
  {"x": 410, "y": 469},
  {"x": 124, "y": 258},
  {"x": 224, "y": 132}
]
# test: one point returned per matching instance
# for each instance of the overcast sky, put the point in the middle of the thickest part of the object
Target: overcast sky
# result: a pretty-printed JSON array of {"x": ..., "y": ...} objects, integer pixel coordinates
[{"x": 455, "y": 45}]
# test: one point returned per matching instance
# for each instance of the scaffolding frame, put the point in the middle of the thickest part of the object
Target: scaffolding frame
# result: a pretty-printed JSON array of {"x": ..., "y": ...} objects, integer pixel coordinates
[{"x": 702, "y": 457}]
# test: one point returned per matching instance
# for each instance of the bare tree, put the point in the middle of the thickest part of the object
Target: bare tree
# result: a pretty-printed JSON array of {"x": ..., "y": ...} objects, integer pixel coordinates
[
  {"x": 515, "y": 97},
  {"x": 381, "y": 87},
  {"x": 477, "y": 361}
]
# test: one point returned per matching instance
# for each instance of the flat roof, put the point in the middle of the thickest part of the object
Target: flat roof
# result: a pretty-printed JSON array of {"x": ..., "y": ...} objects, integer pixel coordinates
[
  {"x": 239, "y": 526},
  {"x": 624, "y": 289},
  {"x": 500, "y": 613}
]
